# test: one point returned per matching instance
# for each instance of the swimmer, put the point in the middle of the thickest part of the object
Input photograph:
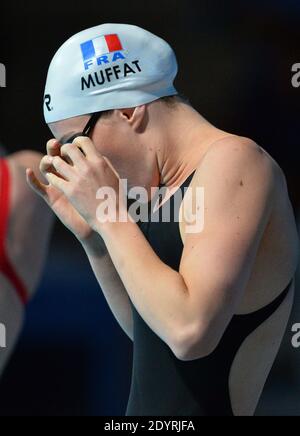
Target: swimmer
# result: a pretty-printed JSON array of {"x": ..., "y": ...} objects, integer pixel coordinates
[
  {"x": 25, "y": 226},
  {"x": 206, "y": 310}
]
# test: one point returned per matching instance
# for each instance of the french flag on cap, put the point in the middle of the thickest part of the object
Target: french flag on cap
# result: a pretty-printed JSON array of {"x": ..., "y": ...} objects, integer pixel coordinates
[{"x": 100, "y": 46}]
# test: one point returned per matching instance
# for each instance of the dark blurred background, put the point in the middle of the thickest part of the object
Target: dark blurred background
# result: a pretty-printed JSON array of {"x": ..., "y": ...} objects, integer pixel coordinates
[{"x": 235, "y": 61}]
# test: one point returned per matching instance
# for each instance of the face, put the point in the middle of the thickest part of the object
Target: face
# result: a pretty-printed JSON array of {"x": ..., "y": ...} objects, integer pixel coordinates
[
  {"x": 64, "y": 130},
  {"x": 114, "y": 138}
]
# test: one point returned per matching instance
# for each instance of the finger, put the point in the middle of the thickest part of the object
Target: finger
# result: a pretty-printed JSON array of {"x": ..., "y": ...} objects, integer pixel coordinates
[
  {"x": 53, "y": 148},
  {"x": 46, "y": 166},
  {"x": 35, "y": 184},
  {"x": 63, "y": 169},
  {"x": 87, "y": 146},
  {"x": 72, "y": 152},
  {"x": 57, "y": 182}
]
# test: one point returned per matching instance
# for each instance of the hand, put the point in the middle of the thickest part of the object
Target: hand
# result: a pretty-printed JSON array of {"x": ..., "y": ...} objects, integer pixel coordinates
[
  {"x": 79, "y": 173},
  {"x": 57, "y": 201}
]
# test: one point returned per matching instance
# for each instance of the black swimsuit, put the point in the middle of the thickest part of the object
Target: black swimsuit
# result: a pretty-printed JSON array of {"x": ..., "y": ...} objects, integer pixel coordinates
[{"x": 163, "y": 385}]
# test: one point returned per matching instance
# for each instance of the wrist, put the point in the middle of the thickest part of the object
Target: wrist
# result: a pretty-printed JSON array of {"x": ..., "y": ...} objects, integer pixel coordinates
[
  {"x": 114, "y": 230},
  {"x": 109, "y": 223},
  {"x": 93, "y": 244}
]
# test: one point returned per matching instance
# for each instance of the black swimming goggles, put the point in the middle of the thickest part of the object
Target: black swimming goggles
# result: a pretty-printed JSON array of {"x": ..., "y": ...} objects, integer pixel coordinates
[{"x": 86, "y": 131}]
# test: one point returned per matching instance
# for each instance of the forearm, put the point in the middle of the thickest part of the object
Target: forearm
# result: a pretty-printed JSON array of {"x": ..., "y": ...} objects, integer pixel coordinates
[
  {"x": 110, "y": 282},
  {"x": 157, "y": 291}
]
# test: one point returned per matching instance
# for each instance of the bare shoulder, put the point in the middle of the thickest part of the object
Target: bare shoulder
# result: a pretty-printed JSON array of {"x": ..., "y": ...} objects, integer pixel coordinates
[
  {"x": 235, "y": 147},
  {"x": 235, "y": 156}
]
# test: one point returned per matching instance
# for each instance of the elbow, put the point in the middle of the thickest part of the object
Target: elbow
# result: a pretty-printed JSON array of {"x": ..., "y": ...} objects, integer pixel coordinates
[{"x": 194, "y": 343}]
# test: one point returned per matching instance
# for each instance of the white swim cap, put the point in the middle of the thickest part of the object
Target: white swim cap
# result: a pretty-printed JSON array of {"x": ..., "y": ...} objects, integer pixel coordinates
[{"x": 111, "y": 66}]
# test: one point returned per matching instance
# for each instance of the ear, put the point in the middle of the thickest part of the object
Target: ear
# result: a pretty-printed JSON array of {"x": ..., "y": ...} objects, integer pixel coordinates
[{"x": 136, "y": 117}]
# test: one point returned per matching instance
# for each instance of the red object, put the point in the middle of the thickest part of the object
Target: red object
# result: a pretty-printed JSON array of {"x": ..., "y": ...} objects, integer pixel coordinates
[
  {"x": 6, "y": 267},
  {"x": 113, "y": 43}
]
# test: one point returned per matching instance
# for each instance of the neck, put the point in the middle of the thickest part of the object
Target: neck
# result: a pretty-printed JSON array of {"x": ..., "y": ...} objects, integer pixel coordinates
[{"x": 185, "y": 137}]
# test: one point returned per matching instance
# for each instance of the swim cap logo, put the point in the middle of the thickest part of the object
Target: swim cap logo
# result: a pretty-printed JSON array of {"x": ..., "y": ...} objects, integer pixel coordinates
[
  {"x": 102, "y": 50},
  {"x": 48, "y": 102},
  {"x": 106, "y": 49}
]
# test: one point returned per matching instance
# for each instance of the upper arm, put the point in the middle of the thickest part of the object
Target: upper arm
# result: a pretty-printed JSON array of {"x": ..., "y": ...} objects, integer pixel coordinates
[{"x": 216, "y": 264}]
